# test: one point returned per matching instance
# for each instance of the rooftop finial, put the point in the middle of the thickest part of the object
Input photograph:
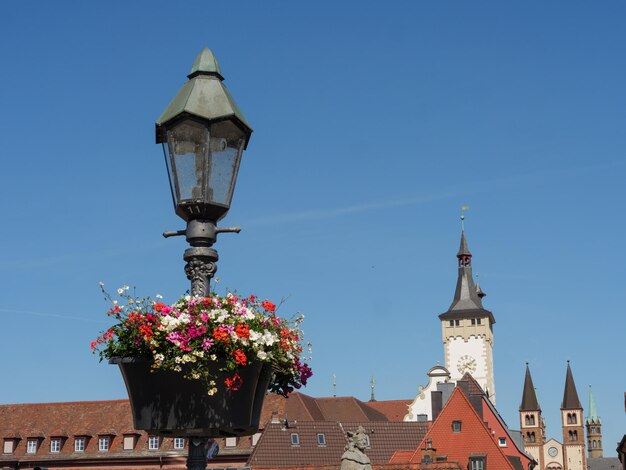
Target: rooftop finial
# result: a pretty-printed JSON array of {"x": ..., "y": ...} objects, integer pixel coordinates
[
  {"x": 463, "y": 209},
  {"x": 372, "y": 384},
  {"x": 334, "y": 385}
]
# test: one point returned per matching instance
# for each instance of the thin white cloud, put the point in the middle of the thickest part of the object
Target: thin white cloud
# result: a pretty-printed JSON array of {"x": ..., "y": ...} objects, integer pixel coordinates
[{"x": 47, "y": 314}]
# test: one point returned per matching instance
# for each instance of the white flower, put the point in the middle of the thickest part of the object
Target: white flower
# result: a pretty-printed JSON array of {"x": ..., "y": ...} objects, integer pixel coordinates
[
  {"x": 261, "y": 355},
  {"x": 101, "y": 284},
  {"x": 115, "y": 302},
  {"x": 120, "y": 291},
  {"x": 159, "y": 296}
]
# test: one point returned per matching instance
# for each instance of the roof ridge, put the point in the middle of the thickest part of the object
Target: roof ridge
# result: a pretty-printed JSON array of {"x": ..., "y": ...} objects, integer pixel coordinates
[{"x": 79, "y": 402}]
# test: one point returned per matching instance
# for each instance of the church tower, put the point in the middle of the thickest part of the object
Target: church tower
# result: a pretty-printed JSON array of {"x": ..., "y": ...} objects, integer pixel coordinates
[
  {"x": 531, "y": 422},
  {"x": 594, "y": 429},
  {"x": 572, "y": 424},
  {"x": 467, "y": 329}
]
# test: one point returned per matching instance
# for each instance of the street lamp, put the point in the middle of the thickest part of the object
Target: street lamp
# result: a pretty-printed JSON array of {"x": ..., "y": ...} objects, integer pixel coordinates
[{"x": 204, "y": 134}]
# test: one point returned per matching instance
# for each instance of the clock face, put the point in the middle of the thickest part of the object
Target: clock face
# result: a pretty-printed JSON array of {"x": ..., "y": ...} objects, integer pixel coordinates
[
  {"x": 553, "y": 451},
  {"x": 466, "y": 363}
]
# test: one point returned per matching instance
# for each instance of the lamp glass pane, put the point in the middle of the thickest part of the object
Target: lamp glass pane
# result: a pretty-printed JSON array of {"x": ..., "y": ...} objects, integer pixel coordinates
[
  {"x": 226, "y": 147},
  {"x": 188, "y": 152}
]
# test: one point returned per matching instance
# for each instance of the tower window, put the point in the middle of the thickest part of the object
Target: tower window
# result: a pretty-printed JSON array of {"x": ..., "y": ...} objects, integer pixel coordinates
[
  {"x": 473, "y": 321},
  {"x": 451, "y": 322},
  {"x": 478, "y": 321},
  {"x": 529, "y": 420},
  {"x": 457, "y": 322}
]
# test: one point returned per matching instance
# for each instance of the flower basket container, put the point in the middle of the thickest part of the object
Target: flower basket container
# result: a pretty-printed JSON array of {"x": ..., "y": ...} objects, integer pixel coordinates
[{"x": 167, "y": 404}]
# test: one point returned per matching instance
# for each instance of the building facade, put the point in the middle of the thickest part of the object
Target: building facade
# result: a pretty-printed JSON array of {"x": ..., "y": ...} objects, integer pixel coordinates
[{"x": 550, "y": 453}]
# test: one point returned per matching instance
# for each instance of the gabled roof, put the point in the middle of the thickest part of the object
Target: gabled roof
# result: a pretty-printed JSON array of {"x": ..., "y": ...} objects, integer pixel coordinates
[
  {"x": 570, "y": 395},
  {"x": 474, "y": 437},
  {"x": 301, "y": 407},
  {"x": 275, "y": 450},
  {"x": 347, "y": 409},
  {"x": 473, "y": 387},
  {"x": 529, "y": 397},
  {"x": 393, "y": 410}
]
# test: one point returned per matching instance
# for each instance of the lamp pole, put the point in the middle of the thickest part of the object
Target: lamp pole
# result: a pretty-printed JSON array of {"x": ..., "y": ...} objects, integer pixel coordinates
[{"x": 204, "y": 134}]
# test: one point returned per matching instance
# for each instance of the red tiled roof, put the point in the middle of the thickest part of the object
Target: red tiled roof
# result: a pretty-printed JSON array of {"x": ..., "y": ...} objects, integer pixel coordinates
[
  {"x": 474, "y": 387},
  {"x": 393, "y": 410},
  {"x": 474, "y": 437},
  {"x": 274, "y": 449},
  {"x": 347, "y": 409}
]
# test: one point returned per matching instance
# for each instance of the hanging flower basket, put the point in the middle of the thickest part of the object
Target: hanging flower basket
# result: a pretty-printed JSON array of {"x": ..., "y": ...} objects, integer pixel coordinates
[
  {"x": 167, "y": 404},
  {"x": 202, "y": 366}
]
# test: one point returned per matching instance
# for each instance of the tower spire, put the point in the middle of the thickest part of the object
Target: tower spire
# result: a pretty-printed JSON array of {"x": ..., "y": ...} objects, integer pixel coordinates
[
  {"x": 529, "y": 396},
  {"x": 570, "y": 395},
  {"x": 593, "y": 414},
  {"x": 467, "y": 298}
]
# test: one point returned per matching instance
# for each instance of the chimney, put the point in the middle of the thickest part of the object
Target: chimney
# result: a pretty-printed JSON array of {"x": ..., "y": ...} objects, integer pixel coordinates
[
  {"x": 477, "y": 403},
  {"x": 464, "y": 386},
  {"x": 428, "y": 452},
  {"x": 436, "y": 399}
]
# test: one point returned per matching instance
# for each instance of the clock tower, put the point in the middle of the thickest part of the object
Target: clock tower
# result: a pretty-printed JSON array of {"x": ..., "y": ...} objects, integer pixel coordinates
[{"x": 468, "y": 328}]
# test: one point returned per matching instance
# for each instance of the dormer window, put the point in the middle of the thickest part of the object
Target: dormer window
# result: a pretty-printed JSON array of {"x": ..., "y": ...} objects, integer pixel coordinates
[
  {"x": 321, "y": 439},
  {"x": 295, "y": 439},
  {"x": 104, "y": 442},
  {"x": 79, "y": 444},
  {"x": 31, "y": 446},
  {"x": 9, "y": 446},
  {"x": 456, "y": 426},
  {"x": 55, "y": 445}
]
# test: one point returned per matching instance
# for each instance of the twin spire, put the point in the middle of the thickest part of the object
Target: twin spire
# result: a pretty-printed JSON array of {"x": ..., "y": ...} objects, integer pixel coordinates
[{"x": 570, "y": 395}]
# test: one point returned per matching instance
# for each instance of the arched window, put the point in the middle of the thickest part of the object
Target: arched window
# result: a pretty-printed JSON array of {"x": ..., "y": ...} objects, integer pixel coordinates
[
  {"x": 575, "y": 436},
  {"x": 600, "y": 444},
  {"x": 527, "y": 420},
  {"x": 571, "y": 436},
  {"x": 594, "y": 444},
  {"x": 573, "y": 418}
]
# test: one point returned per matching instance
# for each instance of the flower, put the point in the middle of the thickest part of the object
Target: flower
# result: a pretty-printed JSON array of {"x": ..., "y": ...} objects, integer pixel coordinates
[
  {"x": 233, "y": 383},
  {"x": 203, "y": 338}
]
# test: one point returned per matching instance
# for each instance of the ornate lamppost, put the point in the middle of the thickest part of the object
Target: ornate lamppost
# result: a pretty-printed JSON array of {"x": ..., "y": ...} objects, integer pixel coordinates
[{"x": 204, "y": 134}]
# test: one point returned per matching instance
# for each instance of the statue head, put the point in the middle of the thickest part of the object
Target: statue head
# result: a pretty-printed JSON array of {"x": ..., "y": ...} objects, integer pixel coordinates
[{"x": 357, "y": 439}]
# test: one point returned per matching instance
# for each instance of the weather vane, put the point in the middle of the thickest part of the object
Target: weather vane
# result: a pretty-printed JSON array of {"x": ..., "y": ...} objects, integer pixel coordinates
[
  {"x": 334, "y": 385},
  {"x": 372, "y": 383},
  {"x": 463, "y": 209}
]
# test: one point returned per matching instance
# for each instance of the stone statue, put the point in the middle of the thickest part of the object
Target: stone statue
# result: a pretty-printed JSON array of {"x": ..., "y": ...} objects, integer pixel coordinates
[{"x": 354, "y": 458}]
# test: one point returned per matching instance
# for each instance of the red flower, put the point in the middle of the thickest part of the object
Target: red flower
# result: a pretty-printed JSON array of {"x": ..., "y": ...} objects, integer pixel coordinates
[
  {"x": 115, "y": 309},
  {"x": 159, "y": 306},
  {"x": 221, "y": 335},
  {"x": 92, "y": 345},
  {"x": 234, "y": 383},
  {"x": 243, "y": 331},
  {"x": 240, "y": 357},
  {"x": 252, "y": 298},
  {"x": 269, "y": 306}
]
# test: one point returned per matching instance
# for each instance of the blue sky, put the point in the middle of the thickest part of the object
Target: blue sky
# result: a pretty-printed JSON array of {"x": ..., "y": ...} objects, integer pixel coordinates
[{"x": 374, "y": 122}]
